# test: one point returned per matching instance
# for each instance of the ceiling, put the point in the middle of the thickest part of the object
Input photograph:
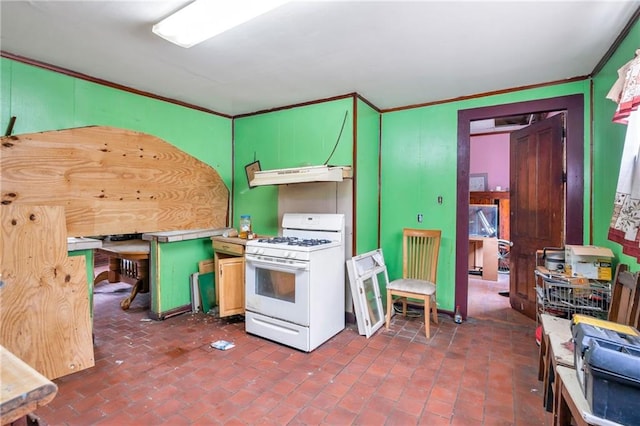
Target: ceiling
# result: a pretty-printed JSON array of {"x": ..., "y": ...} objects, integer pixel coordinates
[{"x": 392, "y": 53}]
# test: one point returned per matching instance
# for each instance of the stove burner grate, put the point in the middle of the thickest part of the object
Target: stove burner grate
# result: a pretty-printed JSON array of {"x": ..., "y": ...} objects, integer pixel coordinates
[{"x": 294, "y": 241}]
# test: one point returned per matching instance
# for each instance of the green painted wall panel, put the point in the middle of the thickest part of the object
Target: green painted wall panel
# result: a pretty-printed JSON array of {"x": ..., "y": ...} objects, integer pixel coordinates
[
  {"x": 367, "y": 172},
  {"x": 41, "y": 100},
  {"x": 293, "y": 137},
  {"x": 5, "y": 94},
  {"x": 88, "y": 258},
  {"x": 419, "y": 163},
  {"x": 608, "y": 143},
  {"x": 178, "y": 260}
]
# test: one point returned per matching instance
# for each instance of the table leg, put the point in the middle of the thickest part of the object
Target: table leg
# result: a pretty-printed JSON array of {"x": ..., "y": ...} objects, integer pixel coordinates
[
  {"x": 561, "y": 413},
  {"x": 134, "y": 291},
  {"x": 114, "y": 269},
  {"x": 542, "y": 355}
]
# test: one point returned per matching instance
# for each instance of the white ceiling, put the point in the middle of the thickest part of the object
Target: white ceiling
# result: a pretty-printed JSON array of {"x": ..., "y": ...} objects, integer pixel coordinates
[{"x": 393, "y": 53}]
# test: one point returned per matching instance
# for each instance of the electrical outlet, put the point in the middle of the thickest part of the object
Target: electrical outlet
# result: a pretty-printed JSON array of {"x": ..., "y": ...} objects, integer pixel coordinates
[{"x": 420, "y": 217}]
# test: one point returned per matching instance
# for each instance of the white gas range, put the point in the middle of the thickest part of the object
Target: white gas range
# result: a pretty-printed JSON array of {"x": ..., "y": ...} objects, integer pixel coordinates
[{"x": 295, "y": 284}]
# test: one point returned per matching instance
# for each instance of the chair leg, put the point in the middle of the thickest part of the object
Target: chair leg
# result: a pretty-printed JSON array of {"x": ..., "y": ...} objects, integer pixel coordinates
[
  {"x": 434, "y": 307},
  {"x": 389, "y": 307},
  {"x": 427, "y": 320}
]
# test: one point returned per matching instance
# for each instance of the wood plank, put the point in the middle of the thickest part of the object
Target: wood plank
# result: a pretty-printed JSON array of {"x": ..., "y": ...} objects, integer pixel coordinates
[
  {"x": 206, "y": 266},
  {"x": 112, "y": 181},
  {"x": 22, "y": 389},
  {"x": 45, "y": 318}
]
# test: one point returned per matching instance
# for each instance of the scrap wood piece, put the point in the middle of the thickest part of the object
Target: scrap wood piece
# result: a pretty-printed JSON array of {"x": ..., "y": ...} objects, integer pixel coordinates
[
  {"x": 45, "y": 319},
  {"x": 22, "y": 389}
]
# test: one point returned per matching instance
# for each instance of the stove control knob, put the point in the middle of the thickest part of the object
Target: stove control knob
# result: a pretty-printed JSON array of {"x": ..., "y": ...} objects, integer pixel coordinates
[
  {"x": 293, "y": 255},
  {"x": 286, "y": 254}
]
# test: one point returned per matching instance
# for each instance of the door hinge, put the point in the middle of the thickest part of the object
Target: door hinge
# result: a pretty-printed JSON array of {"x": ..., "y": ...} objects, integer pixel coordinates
[{"x": 564, "y": 177}]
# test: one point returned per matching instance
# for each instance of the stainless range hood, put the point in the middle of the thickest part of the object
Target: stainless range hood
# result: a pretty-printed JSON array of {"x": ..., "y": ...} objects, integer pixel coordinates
[{"x": 301, "y": 175}]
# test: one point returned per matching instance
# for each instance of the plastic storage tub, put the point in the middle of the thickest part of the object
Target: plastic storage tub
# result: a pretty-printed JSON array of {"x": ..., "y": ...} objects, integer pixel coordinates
[{"x": 612, "y": 381}]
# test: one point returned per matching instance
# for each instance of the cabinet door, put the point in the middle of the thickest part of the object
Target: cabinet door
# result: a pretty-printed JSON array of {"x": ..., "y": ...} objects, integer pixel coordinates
[{"x": 230, "y": 282}]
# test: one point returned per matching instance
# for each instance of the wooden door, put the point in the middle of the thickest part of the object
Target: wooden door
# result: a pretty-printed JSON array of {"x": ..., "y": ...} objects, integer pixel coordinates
[{"x": 537, "y": 203}]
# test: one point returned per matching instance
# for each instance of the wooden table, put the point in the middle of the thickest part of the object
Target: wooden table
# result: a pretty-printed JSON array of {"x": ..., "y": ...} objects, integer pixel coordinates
[
  {"x": 129, "y": 263},
  {"x": 571, "y": 403},
  {"x": 483, "y": 253},
  {"x": 22, "y": 388}
]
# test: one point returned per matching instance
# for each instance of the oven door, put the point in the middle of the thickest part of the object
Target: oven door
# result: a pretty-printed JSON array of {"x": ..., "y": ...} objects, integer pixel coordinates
[{"x": 278, "y": 288}]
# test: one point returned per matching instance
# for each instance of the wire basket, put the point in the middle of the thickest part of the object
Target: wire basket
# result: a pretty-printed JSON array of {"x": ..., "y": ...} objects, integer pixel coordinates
[{"x": 564, "y": 296}]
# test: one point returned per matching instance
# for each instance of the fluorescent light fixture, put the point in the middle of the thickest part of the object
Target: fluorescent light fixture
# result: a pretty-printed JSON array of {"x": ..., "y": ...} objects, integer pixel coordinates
[{"x": 203, "y": 19}]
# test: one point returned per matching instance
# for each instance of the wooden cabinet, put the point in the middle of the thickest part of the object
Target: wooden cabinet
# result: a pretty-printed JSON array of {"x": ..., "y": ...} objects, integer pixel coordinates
[
  {"x": 501, "y": 198},
  {"x": 228, "y": 256}
]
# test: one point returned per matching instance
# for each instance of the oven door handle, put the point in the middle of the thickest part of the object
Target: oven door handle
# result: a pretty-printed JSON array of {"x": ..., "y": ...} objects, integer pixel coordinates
[{"x": 278, "y": 266}]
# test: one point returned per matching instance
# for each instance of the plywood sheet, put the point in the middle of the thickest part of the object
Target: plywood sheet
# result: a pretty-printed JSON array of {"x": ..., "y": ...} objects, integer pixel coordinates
[
  {"x": 112, "y": 181},
  {"x": 44, "y": 294}
]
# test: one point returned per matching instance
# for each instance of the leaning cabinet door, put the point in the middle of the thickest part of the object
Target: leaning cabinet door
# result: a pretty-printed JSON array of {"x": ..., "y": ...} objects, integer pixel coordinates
[
  {"x": 230, "y": 282},
  {"x": 366, "y": 273}
]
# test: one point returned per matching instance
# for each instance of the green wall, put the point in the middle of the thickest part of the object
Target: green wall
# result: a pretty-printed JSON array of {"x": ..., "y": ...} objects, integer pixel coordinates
[
  {"x": 367, "y": 172},
  {"x": 608, "y": 142},
  {"x": 419, "y": 164},
  {"x": 175, "y": 262},
  {"x": 302, "y": 136}
]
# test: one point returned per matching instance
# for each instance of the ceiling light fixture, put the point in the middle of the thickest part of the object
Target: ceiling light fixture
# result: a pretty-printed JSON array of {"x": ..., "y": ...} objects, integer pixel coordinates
[{"x": 203, "y": 19}]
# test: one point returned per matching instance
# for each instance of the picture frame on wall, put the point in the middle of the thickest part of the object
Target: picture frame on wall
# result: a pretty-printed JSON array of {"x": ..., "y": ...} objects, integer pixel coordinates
[
  {"x": 478, "y": 181},
  {"x": 251, "y": 169}
]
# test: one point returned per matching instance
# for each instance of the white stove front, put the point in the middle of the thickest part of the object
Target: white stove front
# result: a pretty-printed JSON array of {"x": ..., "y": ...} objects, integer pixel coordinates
[{"x": 295, "y": 293}]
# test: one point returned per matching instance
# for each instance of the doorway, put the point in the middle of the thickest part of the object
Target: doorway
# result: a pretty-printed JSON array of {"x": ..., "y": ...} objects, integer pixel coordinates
[{"x": 574, "y": 105}]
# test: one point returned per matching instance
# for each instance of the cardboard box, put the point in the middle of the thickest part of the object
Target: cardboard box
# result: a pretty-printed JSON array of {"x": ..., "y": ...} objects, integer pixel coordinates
[{"x": 588, "y": 261}]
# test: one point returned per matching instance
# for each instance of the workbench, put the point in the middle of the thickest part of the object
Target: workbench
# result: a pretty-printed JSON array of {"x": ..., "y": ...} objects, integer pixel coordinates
[{"x": 22, "y": 388}]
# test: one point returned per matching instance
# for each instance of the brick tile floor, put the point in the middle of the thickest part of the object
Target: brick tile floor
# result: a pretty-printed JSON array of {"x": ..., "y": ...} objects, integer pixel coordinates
[{"x": 482, "y": 372}]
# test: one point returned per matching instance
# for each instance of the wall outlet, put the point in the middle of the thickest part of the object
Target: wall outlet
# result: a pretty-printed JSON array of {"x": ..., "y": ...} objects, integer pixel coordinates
[{"x": 420, "y": 217}]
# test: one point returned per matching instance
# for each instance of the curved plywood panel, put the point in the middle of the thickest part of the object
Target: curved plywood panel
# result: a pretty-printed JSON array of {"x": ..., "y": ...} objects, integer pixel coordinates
[{"x": 112, "y": 181}]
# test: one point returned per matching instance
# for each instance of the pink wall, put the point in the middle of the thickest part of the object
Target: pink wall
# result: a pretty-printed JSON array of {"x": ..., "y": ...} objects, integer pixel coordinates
[{"x": 490, "y": 154}]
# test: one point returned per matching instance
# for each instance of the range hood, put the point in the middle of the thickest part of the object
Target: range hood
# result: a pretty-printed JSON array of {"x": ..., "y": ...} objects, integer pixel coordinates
[{"x": 300, "y": 175}]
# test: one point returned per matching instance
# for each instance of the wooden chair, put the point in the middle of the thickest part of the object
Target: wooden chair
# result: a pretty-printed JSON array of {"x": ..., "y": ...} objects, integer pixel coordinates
[
  {"x": 420, "y": 250},
  {"x": 625, "y": 296}
]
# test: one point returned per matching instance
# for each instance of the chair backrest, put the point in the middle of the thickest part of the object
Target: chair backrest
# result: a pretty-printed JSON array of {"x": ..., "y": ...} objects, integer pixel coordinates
[
  {"x": 625, "y": 296},
  {"x": 420, "y": 248}
]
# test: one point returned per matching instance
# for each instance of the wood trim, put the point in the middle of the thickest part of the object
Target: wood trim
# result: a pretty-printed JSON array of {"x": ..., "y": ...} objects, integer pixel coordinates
[
  {"x": 302, "y": 104},
  {"x": 366, "y": 101},
  {"x": 354, "y": 182},
  {"x": 379, "y": 177},
  {"x": 574, "y": 105},
  {"x": 233, "y": 174},
  {"x": 102, "y": 82},
  {"x": 485, "y": 94},
  {"x": 618, "y": 41}
]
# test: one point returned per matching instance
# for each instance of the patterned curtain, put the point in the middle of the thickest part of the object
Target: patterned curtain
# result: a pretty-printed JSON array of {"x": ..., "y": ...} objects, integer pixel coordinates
[{"x": 625, "y": 222}]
